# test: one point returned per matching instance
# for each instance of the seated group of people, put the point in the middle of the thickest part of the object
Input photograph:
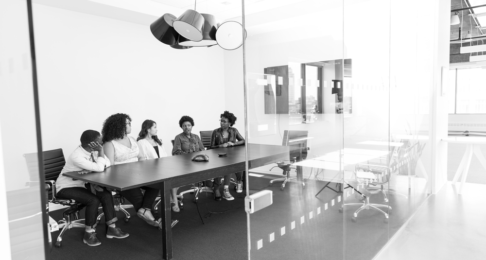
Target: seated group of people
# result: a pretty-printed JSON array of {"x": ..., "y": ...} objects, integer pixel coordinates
[{"x": 115, "y": 146}]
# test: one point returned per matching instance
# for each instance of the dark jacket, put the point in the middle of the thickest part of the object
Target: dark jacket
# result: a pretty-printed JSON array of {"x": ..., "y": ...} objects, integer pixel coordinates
[{"x": 217, "y": 137}]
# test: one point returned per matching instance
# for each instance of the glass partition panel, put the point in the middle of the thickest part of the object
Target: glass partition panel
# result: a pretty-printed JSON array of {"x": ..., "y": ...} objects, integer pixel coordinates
[
  {"x": 18, "y": 139},
  {"x": 389, "y": 93},
  {"x": 294, "y": 74},
  {"x": 368, "y": 150}
]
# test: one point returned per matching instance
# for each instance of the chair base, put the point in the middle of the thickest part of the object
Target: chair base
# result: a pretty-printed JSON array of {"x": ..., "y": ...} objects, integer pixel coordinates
[
  {"x": 286, "y": 180},
  {"x": 195, "y": 190},
  {"x": 67, "y": 224},
  {"x": 367, "y": 205}
]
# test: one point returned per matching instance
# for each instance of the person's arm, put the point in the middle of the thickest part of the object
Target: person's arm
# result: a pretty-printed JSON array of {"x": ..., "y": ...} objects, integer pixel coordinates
[
  {"x": 177, "y": 148},
  {"x": 83, "y": 163},
  {"x": 109, "y": 152},
  {"x": 201, "y": 145},
  {"x": 142, "y": 154},
  {"x": 239, "y": 138}
]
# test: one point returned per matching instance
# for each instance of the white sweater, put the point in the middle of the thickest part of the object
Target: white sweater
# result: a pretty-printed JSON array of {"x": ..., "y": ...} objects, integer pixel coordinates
[{"x": 147, "y": 151}]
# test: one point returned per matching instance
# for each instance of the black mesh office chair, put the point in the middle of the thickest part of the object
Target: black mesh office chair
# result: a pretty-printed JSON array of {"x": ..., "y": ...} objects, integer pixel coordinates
[{"x": 297, "y": 142}]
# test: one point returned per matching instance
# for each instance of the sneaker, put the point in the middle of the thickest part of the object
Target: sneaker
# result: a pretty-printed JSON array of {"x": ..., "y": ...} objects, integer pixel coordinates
[
  {"x": 175, "y": 207},
  {"x": 239, "y": 187},
  {"x": 90, "y": 239},
  {"x": 227, "y": 195},
  {"x": 114, "y": 232}
]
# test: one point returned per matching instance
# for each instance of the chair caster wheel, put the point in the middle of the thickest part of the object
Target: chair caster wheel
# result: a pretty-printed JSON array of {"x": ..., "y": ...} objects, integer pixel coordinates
[
  {"x": 354, "y": 219},
  {"x": 127, "y": 219},
  {"x": 58, "y": 244},
  {"x": 282, "y": 188},
  {"x": 340, "y": 210}
]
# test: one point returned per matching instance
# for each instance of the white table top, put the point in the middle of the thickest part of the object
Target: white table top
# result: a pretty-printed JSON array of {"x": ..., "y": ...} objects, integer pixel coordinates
[
  {"x": 338, "y": 159},
  {"x": 411, "y": 137},
  {"x": 382, "y": 143},
  {"x": 465, "y": 139}
]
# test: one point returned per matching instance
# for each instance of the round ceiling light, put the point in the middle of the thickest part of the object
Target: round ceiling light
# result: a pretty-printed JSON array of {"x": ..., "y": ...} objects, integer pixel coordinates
[
  {"x": 190, "y": 25},
  {"x": 230, "y": 35}
]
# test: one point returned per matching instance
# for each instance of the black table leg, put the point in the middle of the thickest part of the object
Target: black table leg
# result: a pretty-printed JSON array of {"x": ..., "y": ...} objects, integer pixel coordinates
[{"x": 165, "y": 213}]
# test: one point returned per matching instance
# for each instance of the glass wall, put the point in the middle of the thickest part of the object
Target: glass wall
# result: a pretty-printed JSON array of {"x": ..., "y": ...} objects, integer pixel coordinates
[
  {"x": 345, "y": 86},
  {"x": 18, "y": 137},
  {"x": 467, "y": 91}
]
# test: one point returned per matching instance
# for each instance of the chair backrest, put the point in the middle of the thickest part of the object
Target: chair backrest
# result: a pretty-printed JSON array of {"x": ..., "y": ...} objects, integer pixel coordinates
[
  {"x": 296, "y": 139},
  {"x": 172, "y": 141},
  {"x": 206, "y": 138},
  {"x": 53, "y": 164}
]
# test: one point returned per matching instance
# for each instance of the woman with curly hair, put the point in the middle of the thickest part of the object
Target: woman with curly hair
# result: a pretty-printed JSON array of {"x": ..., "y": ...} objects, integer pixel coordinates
[
  {"x": 227, "y": 136},
  {"x": 187, "y": 142},
  {"x": 121, "y": 148},
  {"x": 151, "y": 148}
]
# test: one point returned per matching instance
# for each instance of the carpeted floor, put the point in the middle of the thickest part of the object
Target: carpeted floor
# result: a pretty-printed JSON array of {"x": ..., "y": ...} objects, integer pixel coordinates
[{"x": 297, "y": 226}]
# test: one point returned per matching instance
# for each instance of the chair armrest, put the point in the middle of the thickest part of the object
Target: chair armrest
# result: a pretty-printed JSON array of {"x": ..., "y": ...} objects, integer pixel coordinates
[{"x": 52, "y": 186}]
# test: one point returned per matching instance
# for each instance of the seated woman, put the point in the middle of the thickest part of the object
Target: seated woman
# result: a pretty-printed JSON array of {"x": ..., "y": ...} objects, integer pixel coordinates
[
  {"x": 151, "y": 148},
  {"x": 89, "y": 156},
  {"x": 121, "y": 148},
  {"x": 186, "y": 142},
  {"x": 227, "y": 136}
]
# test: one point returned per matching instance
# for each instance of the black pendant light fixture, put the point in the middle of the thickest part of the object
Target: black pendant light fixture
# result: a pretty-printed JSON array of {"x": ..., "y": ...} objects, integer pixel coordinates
[
  {"x": 164, "y": 32},
  {"x": 193, "y": 29},
  {"x": 190, "y": 25},
  {"x": 208, "y": 33}
]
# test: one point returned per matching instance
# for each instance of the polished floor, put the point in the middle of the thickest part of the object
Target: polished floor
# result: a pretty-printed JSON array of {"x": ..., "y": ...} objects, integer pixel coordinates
[{"x": 447, "y": 226}]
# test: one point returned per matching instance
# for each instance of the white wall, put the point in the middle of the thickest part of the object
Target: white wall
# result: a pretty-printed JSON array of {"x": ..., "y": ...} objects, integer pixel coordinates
[{"x": 91, "y": 67}]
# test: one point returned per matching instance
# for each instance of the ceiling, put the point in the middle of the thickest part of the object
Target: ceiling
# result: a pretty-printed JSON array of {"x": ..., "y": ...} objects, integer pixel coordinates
[
  {"x": 262, "y": 16},
  {"x": 468, "y": 23}
]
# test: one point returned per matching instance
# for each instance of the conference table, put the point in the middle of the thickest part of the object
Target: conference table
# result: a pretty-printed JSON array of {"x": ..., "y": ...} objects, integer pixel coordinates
[{"x": 176, "y": 171}]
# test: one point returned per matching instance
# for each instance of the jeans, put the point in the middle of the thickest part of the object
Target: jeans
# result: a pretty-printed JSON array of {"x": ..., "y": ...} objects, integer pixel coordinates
[
  {"x": 92, "y": 202},
  {"x": 227, "y": 179},
  {"x": 140, "y": 200}
]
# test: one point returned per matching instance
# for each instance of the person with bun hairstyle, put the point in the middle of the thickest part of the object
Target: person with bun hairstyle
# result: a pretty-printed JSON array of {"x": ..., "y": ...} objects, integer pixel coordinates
[{"x": 227, "y": 136}]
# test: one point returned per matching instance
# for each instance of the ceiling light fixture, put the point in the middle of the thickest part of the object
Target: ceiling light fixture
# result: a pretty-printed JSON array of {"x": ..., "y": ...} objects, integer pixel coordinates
[
  {"x": 193, "y": 29},
  {"x": 455, "y": 19}
]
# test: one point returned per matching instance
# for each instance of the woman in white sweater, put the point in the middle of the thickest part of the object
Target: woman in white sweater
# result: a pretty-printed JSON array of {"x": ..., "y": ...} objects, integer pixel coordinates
[{"x": 151, "y": 148}]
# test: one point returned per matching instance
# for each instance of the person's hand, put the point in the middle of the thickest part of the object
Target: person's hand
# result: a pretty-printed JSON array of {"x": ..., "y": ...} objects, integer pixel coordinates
[
  {"x": 95, "y": 146},
  {"x": 83, "y": 172},
  {"x": 231, "y": 144},
  {"x": 224, "y": 145}
]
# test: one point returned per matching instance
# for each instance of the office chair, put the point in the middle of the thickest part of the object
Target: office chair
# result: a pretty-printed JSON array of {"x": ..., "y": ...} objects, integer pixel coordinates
[
  {"x": 119, "y": 206},
  {"x": 199, "y": 187},
  {"x": 297, "y": 142},
  {"x": 373, "y": 177},
  {"x": 196, "y": 188},
  {"x": 53, "y": 163}
]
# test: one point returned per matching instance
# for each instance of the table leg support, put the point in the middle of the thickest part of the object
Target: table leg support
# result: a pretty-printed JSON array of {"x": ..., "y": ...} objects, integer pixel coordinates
[
  {"x": 462, "y": 164},
  {"x": 165, "y": 213},
  {"x": 479, "y": 155},
  {"x": 466, "y": 167}
]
